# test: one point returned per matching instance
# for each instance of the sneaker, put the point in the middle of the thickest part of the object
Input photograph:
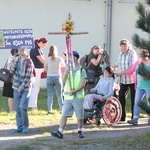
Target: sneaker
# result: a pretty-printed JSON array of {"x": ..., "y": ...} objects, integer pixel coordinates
[
  {"x": 80, "y": 134},
  {"x": 25, "y": 129},
  {"x": 57, "y": 134},
  {"x": 18, "y": 130},
  {"x": 48, "y": 113},
  {"x": 148, "y": 121},
  {"x": 133, "y": 121}
]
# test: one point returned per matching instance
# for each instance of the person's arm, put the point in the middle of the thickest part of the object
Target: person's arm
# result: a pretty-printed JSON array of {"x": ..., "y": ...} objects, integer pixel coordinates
[
  {"x": 116, "y": 65},
  {"x": 84, "y": 81},
  {"x": 13, "y": 65},
  {"x": 63, "y": 64},
  {"x": 129, "y": 71},
  {"x": 46, "y": 65},
  {"x": 95, "y": 61},
  {"x": 95, "y": 89},
  {"x": 80, "y": 87},
  {"x": 41, "y": 59},
  {"x": 92, "y": 90},
  {"x": 9, "y": 62}
]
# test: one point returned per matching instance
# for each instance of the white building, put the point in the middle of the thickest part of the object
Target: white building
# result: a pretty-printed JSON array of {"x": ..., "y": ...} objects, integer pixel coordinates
[{"x": 107, "y": 21}]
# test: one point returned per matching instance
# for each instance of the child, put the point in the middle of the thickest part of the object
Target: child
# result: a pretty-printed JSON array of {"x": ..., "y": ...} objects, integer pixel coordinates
[{"x": 103, "y": 90}]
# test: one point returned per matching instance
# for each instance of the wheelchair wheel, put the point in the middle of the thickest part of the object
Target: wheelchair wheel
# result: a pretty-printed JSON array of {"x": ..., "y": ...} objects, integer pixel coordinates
[{"x": 112, "y": 111}]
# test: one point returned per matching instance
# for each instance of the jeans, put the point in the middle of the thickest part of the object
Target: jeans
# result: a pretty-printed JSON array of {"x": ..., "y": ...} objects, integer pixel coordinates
[
  {"x": 124, "y": 89},
  {"x": 138, "y": 98},
  {"x": 20, "y": 105},
  {"x": 54, "y": 82}
]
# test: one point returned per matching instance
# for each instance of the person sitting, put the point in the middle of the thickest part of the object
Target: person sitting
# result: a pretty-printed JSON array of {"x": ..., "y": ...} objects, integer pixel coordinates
[{"x": 103, "y": 90}]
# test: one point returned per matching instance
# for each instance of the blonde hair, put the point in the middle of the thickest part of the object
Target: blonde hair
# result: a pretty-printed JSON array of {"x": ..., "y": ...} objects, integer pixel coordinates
[{"x": 126, "y": 42}]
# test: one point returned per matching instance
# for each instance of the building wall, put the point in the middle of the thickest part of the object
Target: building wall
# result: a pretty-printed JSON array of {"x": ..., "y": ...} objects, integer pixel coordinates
[
  {"x": 89, "y": 15},
  {"x": 124, "y": 17}
]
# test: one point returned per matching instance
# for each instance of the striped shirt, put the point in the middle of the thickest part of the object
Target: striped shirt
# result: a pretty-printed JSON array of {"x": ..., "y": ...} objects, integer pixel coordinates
[
  {"x": 124, "y": 62},
  {"x": 22, "y": 74}
]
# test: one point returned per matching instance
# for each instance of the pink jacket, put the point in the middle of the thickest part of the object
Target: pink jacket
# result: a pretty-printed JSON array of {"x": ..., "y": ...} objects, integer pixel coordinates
[{"x": 132, "y": 70}]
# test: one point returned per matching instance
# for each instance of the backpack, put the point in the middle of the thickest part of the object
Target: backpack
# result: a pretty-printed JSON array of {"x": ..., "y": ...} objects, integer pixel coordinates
[
  {"x": 83, "y": 62},
  {"x": 28, "y": 60}
]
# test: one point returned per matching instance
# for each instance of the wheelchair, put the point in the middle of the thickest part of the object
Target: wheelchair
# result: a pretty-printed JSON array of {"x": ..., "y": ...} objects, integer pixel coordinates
[{"x": 110, "y": 110}]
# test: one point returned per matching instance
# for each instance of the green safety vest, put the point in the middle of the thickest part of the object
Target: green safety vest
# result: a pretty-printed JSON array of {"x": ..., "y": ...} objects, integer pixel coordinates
[{"x": 77, "y": 81}]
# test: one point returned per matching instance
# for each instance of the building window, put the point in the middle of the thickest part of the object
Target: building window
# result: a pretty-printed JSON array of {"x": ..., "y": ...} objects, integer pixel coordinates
[{"x": 129, "y": 1}]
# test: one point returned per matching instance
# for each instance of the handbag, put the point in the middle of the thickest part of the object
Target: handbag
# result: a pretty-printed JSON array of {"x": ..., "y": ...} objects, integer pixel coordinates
[
  {"x": 43, "y": 75},
  {"x": 5, "y": 74}
]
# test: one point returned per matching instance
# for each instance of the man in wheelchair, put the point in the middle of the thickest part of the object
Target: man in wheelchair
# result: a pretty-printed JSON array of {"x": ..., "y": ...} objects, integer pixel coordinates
[{"x": 100, "y": 97}]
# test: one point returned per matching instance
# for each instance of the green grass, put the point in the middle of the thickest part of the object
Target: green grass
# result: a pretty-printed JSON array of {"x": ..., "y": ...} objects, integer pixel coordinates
[{"x": 36, "y": 117}]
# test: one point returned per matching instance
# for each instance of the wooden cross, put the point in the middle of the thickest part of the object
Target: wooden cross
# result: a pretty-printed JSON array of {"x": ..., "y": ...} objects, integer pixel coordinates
[{"x": 68, "y": 32}]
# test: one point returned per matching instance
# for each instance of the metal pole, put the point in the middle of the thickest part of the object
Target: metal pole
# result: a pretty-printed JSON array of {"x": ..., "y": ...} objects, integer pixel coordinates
[{"x": 109, "y": 25}]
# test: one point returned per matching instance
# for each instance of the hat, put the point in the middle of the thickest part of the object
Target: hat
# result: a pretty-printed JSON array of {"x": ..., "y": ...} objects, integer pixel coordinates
[
  {"x": 76, "y": 54},
  {"x": 43, "y": 40}
]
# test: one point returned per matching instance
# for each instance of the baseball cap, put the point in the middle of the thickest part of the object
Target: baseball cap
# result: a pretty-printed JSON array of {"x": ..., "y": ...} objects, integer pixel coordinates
[{"x": 76, "y": 54}]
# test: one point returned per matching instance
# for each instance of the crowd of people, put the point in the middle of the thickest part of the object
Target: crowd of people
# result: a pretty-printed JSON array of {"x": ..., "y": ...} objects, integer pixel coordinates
[{"x": 75, "y": 87}]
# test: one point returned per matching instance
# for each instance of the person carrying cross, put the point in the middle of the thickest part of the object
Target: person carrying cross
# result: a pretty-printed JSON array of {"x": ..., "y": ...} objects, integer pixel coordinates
[{"x": 75, "y": 80}]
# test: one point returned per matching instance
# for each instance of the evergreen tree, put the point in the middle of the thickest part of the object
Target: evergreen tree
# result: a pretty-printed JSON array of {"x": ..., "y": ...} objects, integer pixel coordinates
[{"x": 143, "y": 23}]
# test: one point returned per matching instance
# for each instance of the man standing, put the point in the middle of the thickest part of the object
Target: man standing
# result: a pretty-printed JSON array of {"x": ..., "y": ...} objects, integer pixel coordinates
[
  {"x": 75, "y": 80},
  {"x": 22, "y": 67}
]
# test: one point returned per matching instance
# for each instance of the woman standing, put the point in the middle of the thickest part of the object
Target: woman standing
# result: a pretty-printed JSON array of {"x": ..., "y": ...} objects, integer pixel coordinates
[
  {"x": 93, "y": 63},
  {"x": 53, "y": 66},
  {"x": 142, "y": 68},
  {"x": 126, "y": 59},
  {"x": 38, "y": 59},
  {"x": 7, "y": 88}
]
